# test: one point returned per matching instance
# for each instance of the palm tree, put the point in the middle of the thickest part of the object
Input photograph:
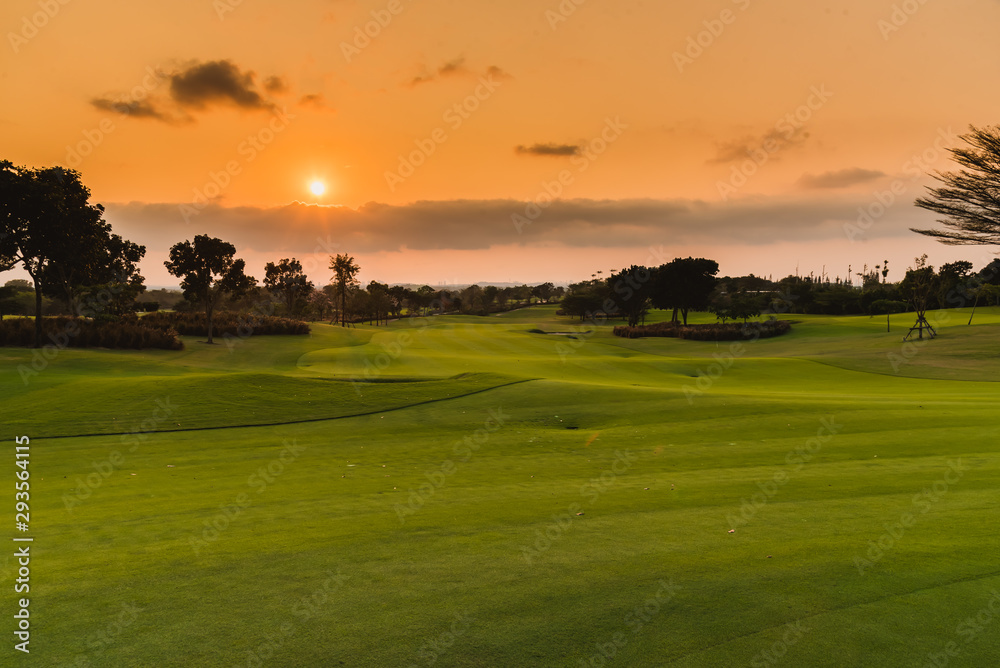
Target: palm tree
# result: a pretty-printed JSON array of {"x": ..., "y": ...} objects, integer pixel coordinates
[{"x": 345, "y": 272}]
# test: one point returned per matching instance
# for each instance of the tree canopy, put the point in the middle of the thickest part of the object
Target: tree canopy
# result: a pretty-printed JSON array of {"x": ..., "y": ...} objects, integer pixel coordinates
[
  {"x": 49, "y": 228},
  {"x": 969, "y": 199},
  {"x": 208, "y": 269}
]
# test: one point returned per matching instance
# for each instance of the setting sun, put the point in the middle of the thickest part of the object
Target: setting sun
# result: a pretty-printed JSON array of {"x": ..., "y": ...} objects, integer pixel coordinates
[{"x": 317, "y": 188}]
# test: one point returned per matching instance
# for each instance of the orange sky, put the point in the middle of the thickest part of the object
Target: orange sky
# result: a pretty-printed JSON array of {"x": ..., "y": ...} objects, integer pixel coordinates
[{"x": 646, "y": 111}]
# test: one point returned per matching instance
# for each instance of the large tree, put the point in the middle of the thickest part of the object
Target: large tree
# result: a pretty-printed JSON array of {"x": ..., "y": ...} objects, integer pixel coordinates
[
  {"x": 969, "y": 199},
  {"x": 684, "y": 284},
  {"x": 288, "y": 282},
  {"x": 209, "y": 269},
  {"x": 630, "y": 290},
  {"x": 49, "y": 228},
  {"x": 345, "y": 272}
]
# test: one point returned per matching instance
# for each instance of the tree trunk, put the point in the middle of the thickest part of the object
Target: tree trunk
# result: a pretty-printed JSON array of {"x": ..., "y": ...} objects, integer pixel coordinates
[
  {"x": 684, "y": 313},
  {"x": 209, "y": 312},
  {"x": 38, "y": 312}
]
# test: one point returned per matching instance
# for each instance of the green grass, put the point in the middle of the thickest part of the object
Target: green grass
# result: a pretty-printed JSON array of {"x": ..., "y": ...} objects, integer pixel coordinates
[{"x": 373, "y": 476}]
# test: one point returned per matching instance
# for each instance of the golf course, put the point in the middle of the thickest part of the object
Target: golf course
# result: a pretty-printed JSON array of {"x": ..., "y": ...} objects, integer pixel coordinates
[{"x": 521, "y": 489}]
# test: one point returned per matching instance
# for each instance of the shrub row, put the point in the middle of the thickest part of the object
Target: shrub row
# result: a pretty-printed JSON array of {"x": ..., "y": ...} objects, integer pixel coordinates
[
  {"x": 225, "y": 322},
  {"x": 716, "y": 332},
  {"x": 65, "y": 332}
]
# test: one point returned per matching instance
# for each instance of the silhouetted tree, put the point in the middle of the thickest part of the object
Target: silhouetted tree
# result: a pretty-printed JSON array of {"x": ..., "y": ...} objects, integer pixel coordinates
[
  {"x": 209, "y": 270},
  {"x": 345, "y": 272},
  {"x": 49, "y": 228},
  {"x": 968, "y": 198},
  {"x": 684, "y": 284},
  {"x": 287, "y": 281}
]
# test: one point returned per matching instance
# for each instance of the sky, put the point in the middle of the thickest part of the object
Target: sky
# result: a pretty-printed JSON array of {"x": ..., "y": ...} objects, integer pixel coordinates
[{"x": 462, "y": 141}]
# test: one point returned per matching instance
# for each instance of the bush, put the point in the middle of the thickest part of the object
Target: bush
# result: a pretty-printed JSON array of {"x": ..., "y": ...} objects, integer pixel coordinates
[
  {"x": 65, "y": 332},
  {"x": 716, "y": 332},
  {"x": 225, "y": 322}
]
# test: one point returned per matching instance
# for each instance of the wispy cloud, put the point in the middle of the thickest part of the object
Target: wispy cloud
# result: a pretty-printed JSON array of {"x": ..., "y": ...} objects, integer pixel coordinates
[
  {"x": 548, "y": 150},
  {"x": 842, "y": 178}
]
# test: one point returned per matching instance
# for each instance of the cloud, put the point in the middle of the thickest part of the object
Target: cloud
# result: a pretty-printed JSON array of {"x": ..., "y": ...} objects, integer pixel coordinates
[
  {"x": 839, "y": 179},
  {"x": 135, "y": 108},
  {"x": 548, "y": 149},
  {"x": 482, "y": 224},
  {"x": 218, "y": 81},
  {"x": 315, "y": 100},
  {"x": 455, "y": 67},
  {"x": 773, "y": 143},
  {"x": 497, "y": 73},
  {"x": 275, "y": 84},
  {"x": 194, "y": 88}
]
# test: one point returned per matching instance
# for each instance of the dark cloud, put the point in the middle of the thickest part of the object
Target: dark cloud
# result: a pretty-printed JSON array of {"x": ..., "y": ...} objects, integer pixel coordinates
[
  {"x": 276, "y": 84},
  {"x": 218, "y": 81},
  {"x": 839, "y": 179},
  {"x": 773, "y": 143},
  {"x": 135, "y": 109},
  {"x": 196, "y": 87},
  {"x": 481, "y": 224},
  {"x": 497, "y": 73},
  {"x": 548, "y": 149},
  {"x": 454, "y": 67},
  {"x": 315, "y": 100}
]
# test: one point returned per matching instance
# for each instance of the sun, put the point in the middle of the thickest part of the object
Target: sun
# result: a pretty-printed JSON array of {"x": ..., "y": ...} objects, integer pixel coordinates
[{"x": 317, "y": 188}]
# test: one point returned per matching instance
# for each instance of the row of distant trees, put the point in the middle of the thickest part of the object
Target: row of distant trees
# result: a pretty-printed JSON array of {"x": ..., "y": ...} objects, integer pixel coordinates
[{"x": 691, "y": 284}]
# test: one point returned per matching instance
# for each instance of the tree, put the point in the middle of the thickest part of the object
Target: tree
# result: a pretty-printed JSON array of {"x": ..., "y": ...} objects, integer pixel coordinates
[
  {"x": 543, "y": 291},
  {"x": 684, "y": 284},
  {"x": 209, "y": 270},
  {"x": 8, "y": 300},
  {"x": 631, "y": 288},
  {"x": 287, "y": 281},
  {"x": 968, "y": 200},
  {"x": 345, "y": 272},
  {"x": 319, "y": 302},
  {"x": 48, "y": 226}
]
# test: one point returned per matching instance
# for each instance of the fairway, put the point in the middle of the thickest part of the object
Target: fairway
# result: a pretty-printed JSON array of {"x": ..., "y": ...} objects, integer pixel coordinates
[{"x": 516, "y": 490}]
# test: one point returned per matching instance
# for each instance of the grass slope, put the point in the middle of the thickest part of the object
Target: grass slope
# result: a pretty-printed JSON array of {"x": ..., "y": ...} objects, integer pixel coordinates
[{"x": 396, "y": 522}]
